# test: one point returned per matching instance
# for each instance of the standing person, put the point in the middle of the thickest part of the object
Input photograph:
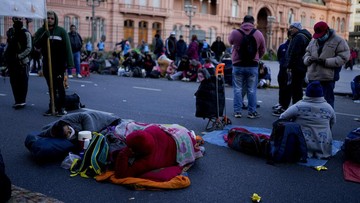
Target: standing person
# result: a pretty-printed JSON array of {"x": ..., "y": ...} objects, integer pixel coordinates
[
  {"x": 61, "y": 58},
  {"x": 218, "y": 47},
  {"x": 159, "y": 46},
  {"x": 282, "y": 77},
  {"x": 193, "y": 49},
  {"x": 101, "y": 45},
  {"x": 17, "y": 55},
  {"x": 294, "y": 64},
  {"x": 245, "y": 68},
  {"x": 325, "y": 54},
  {"x": 88, "y": 48},
  {"x": 181, "y": 48},
  {"x": 170, "y": 45},
  {"x": 76, "y": 45}
]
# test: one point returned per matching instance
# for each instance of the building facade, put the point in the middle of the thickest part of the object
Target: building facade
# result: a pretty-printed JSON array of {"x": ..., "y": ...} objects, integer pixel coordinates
[{"x": 137, "y": 20}]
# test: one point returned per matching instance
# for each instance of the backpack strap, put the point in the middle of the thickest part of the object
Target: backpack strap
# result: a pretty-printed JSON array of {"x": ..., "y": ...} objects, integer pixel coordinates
[{"x": 243, "y": 33}]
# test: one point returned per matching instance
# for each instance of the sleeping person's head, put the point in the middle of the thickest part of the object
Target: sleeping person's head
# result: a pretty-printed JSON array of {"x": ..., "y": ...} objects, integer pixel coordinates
[{"x": 61, "y": 129}]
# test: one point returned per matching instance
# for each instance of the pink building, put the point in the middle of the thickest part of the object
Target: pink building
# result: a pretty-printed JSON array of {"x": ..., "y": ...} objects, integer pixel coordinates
[{"x": 138, "y": 20}]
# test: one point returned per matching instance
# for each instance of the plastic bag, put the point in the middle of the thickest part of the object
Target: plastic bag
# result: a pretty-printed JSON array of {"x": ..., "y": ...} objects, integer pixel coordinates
[{"x": 66, "y": 164}]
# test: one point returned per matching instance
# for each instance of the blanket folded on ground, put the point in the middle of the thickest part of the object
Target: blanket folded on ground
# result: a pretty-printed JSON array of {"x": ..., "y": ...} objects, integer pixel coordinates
[
  {"x": 178, "y": 182},
  {"x": 351, "y": 171}
]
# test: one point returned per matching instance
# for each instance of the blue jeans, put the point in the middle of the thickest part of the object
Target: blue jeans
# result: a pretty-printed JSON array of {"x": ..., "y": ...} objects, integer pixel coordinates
[
  {"x": 76, "y": 56},
  {"x": 245, "y": 77}
]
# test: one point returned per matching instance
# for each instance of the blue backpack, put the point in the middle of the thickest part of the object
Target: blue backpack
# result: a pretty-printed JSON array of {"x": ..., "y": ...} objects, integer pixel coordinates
[{"x": 287, "y": 143}]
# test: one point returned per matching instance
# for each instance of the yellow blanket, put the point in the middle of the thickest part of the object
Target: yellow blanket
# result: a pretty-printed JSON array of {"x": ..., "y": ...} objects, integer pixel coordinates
[{"x": 177, "y": 182}]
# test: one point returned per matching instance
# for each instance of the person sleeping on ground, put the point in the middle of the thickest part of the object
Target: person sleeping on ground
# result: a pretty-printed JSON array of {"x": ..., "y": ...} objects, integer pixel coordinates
[
  {"x": 316, "y": 118},
  {"x": 57, "y": 139},
  {"x": 153, "y": 154}
]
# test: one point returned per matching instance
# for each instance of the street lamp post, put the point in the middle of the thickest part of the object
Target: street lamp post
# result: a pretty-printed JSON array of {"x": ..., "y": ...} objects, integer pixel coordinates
[
  {"x": 93, "y": 4},
  {"x": 190, "y": 11},
  {"x": 271, "y": 20}
]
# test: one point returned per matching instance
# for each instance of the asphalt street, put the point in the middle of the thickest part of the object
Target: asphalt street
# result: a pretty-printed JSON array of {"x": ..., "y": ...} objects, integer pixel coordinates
[{"x": 222, "y": 175}]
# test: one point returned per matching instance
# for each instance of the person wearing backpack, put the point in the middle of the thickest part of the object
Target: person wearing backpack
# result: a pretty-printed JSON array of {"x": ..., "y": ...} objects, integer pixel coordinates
[
  {"x": 248, "y": 48},
  {"x": 17, "y": 57},
  {"x": 296, "y": 69},
  {"x": 316, "y": 118}
]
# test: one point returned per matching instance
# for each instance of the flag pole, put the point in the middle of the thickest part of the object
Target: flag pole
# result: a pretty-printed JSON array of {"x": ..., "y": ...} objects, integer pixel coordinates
[{"x": 51, "y": 86}]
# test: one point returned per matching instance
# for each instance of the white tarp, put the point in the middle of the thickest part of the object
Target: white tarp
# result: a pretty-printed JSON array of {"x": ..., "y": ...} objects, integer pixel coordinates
[{"x": 23, "y": 8}]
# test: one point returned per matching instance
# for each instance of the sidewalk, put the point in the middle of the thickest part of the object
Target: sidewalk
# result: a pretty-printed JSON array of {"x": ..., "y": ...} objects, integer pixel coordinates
[{"x": 342, "y": 87}]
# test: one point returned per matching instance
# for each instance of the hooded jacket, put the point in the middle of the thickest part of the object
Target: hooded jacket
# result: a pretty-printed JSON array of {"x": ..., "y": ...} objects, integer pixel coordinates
[
  {"x": 336, "y": 53},
  {"x": 235, "y": 39},
  {"x": 296, "y": 50},
  {"x": 60, "y": 48}
]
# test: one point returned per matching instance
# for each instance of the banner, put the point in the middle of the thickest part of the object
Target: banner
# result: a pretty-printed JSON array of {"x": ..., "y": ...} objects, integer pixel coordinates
[{"x": 23, "y": 8}]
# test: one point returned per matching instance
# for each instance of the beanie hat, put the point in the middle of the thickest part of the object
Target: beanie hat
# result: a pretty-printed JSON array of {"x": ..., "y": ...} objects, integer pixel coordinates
[
  {"x": 314, "y": 89},
  {"x": 296, "y": 25},
  {"x": 320, "y": 29}
]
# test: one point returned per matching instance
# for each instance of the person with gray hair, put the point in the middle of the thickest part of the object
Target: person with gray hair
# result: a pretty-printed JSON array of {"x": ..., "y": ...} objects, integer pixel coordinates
[{"x": 294, "y": 64}]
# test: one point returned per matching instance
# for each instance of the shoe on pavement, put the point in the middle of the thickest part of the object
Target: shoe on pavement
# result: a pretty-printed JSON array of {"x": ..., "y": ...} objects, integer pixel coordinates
[
  {"x": 278, "y": 112},
  {"x": 237, "y": 115},
  {"x": 253, "y": 115},
  {"x": 70, "y": 76},
  {"x": 48, "y": 113},
  {"x": 78, "y": 76},
  {"x": 19, "y": 105},
  {"x": 60, "y": 113}
]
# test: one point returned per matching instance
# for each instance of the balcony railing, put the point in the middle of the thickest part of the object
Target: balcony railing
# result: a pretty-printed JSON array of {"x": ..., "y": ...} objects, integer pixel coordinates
[
  {"x": 143, "y": 10},
  {"x": 234, "y": 20}
]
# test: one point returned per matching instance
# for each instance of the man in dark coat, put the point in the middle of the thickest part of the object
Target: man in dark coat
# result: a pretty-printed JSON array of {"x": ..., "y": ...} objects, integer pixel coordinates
[
  {"x": 181, "y": 48},
  {"x": 218, "y": 47}
]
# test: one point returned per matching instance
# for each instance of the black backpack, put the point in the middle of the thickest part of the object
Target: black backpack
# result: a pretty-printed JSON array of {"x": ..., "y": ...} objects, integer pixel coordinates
[
  {"x": 351, "y": 145},
  {"x": 248, "y": 48},
  {"x": 287, "y": 143},
  {"x": 72, "y": 102}
]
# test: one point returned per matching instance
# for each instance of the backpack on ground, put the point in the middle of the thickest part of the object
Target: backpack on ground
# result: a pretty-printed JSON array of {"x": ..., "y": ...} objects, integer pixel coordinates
[
  {"x": 137, "y": 72},
  {"x": 351, "y": 146},
  {"x": 95, "y": 158},
  {"x": 287, "y": 143},
  {"x": 72, "y": 102},
  {"x": 247, "y": 142},
  {"x": 248, "y": 48}
]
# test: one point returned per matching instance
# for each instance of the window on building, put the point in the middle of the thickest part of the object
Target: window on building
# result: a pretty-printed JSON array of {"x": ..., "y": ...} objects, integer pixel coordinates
[
  {"x": 71, "y": 20},
  {"x": 37, "y": 23},
  {"x": 281, "y": 17},
  {"x": 156, "y": 3},
  {"x": 342, "y": 25},
  {"x": 303, "y": 18},
  {"x": 204, "y": 7},
  {"x": 212, "y": 35},
  {"x": 312, "y": 20},
  {"x": 250, "y": 10},
  {"x": 142, "y": 2},
  {"x": 332, "y": 25},
  {"x": 67, "y": 23},
  {"x": 2, "y": 26},
  {"x": 357, "y": 28},
  {"x": 291, "y": 16},
  {"x": 128, "y": 2},
  {"x": 337, "y": 25},
  {"x": 234, "y": 8}
]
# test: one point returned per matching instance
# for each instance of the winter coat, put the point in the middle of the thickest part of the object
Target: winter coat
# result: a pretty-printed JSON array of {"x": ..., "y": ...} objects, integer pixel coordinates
[
  {"x": 60, "y": 48},
  {"x": 193, "y": 50},
  {"x": 281, "y": 52},
  {"x": 75, "y": 41},
  {"x": 296, "y": 50},
  {"x": 236, "y": 37},
  {"x": 218, "y": 47},
  {"x": 335, "y": 52},
  {"x": 181, "y": 48},
  {"x": 316, "y": 118},
  {"x": 88, "y": 120}
]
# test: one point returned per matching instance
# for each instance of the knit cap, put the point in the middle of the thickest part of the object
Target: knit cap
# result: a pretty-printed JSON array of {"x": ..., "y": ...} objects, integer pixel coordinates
[
  {"x": 296, "y": 25},
  {"x": 314, "y": 89}
]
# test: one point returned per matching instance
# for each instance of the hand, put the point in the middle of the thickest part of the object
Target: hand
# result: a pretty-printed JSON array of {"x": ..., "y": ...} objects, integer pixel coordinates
[
  {"x": 320, "y": 61},
  {"x": 312, "y": 59}
]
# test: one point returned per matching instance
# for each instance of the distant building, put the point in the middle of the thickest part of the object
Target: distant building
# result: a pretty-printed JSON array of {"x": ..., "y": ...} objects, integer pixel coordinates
[{"x": 138, "y": 20}]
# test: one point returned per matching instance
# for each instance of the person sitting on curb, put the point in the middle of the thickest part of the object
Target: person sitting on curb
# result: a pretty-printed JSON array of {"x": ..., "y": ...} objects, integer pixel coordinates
[
  {"x": 316, "y": 118},
  {"x": 355, "y": 88}
]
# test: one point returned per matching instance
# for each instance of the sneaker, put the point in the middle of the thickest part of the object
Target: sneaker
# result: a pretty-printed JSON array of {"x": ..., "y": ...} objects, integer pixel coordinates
[
  {"x": 70, "y": 76},
  {"x": 278, "y": 112},
  {"x": 48, "y": 113},
  {"x": 183, "y": 79},
  {"x": 276, "y": 107},
  {"x": 253, "y": 115},
  {"x": 78, "y": 76},
  {"x": 60, "y": 113},
  {"x": 19, "y": 105},
  {"x": 237, "y": 115}
]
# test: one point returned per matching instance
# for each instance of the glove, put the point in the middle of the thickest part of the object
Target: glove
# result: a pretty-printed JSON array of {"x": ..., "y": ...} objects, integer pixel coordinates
[
  {"x": 320, "y": 61},
  {"x": 311, "y": 59}
]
